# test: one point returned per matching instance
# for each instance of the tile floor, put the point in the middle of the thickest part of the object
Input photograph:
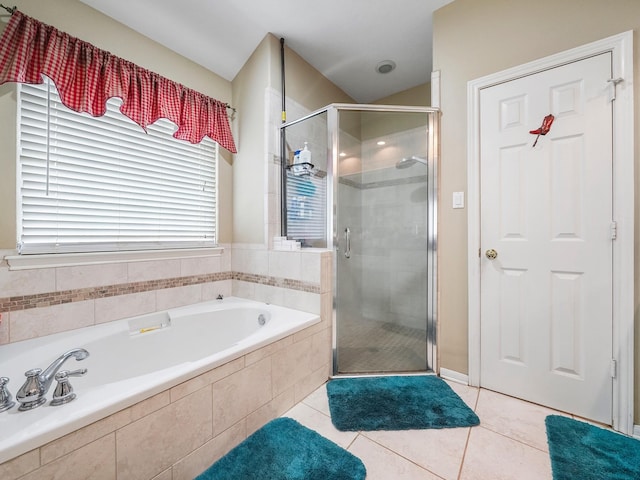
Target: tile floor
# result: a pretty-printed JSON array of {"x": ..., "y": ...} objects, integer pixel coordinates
[
  {"x": 397, "y": 348},
  {"x": 510, "y": 442}
]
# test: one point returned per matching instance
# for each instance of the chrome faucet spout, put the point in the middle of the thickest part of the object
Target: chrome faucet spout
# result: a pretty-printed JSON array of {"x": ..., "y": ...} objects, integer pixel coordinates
[{"x": 46, "y": 377}]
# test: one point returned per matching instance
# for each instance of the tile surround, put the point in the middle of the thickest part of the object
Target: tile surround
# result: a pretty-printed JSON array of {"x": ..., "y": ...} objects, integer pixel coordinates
[
  {"x": 177, "y": 433},
  {"x": 90, "y": 276},
  {"x": 37, "y": 288},
  {"x": 96, "y": 461},
  {"x": 47, "y": 299},
  {"x": 230, "y": 401},
  {"x": 269, "y": 380},
  {"x": 26, "y": 282},
  {"x": 154, "y": 443},
  {"x": 199, "y": 460},
  {"x": 30, "y": 316},
  {"x": 31, "y": 323},
  {"x": 108, "y": 309}
]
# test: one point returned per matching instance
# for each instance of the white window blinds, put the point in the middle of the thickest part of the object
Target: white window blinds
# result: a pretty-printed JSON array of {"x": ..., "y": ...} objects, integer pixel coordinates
[
  {"x": 306, "y": 208},
  {"x": 103, "y": 184}
]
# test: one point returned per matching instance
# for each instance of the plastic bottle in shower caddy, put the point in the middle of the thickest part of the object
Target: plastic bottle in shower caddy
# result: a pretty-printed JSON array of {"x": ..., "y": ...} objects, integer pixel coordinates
[
  {"x": 305, "y": 154},
  {"x": 296, "y": 168}
]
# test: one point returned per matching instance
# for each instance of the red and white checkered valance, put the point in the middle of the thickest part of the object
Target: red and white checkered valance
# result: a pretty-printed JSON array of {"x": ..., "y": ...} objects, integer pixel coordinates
[{"x": 86, "y": 77}]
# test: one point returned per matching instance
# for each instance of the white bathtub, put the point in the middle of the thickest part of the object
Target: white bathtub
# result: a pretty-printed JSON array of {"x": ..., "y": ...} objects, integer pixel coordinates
[{"x": 134, "y": 359}]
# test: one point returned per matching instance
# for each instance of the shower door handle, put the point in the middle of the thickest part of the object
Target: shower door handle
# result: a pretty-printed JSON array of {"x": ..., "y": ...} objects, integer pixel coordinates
[{"x": 347, "y": 242}]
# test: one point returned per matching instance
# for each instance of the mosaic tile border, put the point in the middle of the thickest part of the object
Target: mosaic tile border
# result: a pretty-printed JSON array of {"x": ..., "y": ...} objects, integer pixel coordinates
[
  {"x": 25, "y": 302},
  {"x": 277, "y": 282}
]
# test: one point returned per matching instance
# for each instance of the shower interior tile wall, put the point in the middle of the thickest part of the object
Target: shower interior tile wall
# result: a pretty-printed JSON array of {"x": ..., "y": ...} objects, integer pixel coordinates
[
  {"x": 397, "y": 145},
  {"x": 389, "y": 268},
  {"x": 393, "y": 260}
]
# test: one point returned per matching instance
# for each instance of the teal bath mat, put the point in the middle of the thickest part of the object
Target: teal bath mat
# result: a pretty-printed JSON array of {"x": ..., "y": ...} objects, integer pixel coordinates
[
  {"x": 582, "y": 451},
  {"x": 396, "y": 403},
  {"x": 285, "y": 450}
]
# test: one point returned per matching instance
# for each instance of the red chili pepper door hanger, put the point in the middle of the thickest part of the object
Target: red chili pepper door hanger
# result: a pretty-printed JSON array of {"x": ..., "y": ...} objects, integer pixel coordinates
[{"x": 544, "y": 128}]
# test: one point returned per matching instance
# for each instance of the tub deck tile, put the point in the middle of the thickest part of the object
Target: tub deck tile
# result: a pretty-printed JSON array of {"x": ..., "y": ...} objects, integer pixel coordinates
[
  {"x": 96, "y": 460},
  {"x": 198, "y": 461},
  {"x": 155, "y": 442},
  {"x": 20, "y": 466},
  {"x": 208, "y": 378},
  {"x": 85, "y": 435},
  {"x": 245, "y": 392},
  {"x": 150, "y": 405}
]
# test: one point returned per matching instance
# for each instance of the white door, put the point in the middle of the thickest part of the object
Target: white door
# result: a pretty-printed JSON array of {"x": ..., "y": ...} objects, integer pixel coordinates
[{"x": 546, "y": 299}]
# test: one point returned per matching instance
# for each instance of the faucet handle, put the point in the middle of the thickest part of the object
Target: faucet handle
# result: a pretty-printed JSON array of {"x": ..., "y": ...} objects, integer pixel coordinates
[
  {"x": 73, "y": 373},
  {"x": 31, "y": 394},
  {"x": 63, "y": 392},
  {"x": 6, "y": 401}
]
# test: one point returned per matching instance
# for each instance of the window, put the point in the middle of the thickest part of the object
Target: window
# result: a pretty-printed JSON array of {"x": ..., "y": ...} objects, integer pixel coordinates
[
  {"x": 306, "y": 184},
  {"x": 102, "y": 184},
  {"x": 306, "y": 209}
]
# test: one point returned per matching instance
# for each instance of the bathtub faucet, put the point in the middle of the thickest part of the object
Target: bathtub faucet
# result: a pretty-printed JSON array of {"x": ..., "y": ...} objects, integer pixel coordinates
[{"x": 32, "y": 393}]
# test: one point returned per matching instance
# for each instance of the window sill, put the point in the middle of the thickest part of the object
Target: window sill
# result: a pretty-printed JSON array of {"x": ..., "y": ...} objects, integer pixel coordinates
[{"x": 28, "y": 262}]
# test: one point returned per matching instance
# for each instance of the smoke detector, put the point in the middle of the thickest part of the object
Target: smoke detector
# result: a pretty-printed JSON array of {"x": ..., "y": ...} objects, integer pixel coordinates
[{"x": 385, "y": 66}]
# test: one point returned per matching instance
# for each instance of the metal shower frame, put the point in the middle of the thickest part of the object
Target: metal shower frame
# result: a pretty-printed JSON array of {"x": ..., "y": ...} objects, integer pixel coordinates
[{"x": 332, "y": 237}]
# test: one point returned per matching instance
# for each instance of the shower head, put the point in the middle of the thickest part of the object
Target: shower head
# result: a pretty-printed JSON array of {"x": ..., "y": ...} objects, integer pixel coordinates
[{"x": 406, "y": 162}]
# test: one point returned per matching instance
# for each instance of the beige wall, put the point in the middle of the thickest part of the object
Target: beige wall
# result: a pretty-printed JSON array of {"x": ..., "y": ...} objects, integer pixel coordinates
[
  {"x": 304, "y": 85},
  {"x": 385, "y": 124},
  {"x": 79, "y": 20},
  {"x": 475, "y": 38},
  {"x": 249, "y": 87},
  {"x": 417, "y": 96}
]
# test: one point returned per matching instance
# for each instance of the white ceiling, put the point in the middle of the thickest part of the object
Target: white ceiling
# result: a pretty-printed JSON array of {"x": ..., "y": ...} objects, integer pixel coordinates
[{"x": 343, "y": 39}]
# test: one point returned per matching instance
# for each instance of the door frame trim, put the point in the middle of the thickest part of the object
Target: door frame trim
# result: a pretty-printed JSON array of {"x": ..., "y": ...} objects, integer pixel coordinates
[{"x": 621, "y": 47}]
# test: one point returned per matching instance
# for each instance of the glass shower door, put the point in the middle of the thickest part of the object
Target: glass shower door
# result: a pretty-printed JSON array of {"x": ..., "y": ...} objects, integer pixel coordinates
[{"x": 383, "y": 268}]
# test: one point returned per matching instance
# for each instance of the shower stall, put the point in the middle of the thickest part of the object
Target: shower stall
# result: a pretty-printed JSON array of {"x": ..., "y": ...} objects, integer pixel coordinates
[{"x": 361, "y": 179}]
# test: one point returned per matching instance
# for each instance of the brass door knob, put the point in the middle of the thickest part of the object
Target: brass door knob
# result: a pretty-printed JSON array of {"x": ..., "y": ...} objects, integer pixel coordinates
[{"x": 491, "y": 254}]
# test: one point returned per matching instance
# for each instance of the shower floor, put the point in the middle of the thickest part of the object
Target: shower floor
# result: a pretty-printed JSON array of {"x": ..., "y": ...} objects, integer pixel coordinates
[{"x": 373, "y": 346}]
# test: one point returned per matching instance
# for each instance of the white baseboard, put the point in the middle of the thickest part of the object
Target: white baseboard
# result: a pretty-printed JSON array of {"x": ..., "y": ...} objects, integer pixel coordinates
[
  {"x": 636, "y": 431},
  {"x": 454, "y": 376}
]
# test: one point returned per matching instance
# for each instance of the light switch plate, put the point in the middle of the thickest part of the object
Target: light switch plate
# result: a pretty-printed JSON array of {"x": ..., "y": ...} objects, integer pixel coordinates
[{"x": 458, "y": 199}]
